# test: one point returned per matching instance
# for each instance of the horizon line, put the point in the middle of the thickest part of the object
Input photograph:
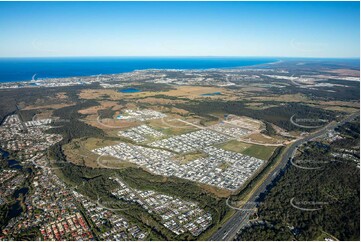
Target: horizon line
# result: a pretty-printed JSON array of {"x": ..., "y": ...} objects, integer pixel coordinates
[{"x": 178, "y": 56}]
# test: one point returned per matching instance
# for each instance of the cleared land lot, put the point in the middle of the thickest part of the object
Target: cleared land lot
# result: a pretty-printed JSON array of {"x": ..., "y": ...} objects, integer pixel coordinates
[
  {"x": 184, "y": 159},
  {"x": 258, "y": 151},
  {"x": 79, "y": 152}
]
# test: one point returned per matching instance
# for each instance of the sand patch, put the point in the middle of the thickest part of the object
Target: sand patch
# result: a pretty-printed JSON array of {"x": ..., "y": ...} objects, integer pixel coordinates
[
  {"x": 282, "y": 98},
  {"x": 153, "y": 100},
  {"x": 345, "y": 72},
  {"x": 50, "y": 106},
  {"x": 103, "y": 105},
  {"x": 61, "y": 95},
  {"x": 195, "y": 92}
]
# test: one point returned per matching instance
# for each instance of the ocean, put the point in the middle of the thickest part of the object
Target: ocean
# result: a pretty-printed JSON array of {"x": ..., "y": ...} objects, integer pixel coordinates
[{"x": 23, "y": 69}]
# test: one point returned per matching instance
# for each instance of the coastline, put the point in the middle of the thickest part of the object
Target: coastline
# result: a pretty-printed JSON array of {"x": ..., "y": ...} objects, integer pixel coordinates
[{"x": 124, "y": 65}]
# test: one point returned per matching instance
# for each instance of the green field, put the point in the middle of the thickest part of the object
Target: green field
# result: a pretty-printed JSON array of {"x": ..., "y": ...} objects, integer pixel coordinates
[{"x": 258, "y": 151}]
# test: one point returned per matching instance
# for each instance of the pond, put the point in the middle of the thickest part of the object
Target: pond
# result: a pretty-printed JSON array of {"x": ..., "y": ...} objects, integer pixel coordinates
[
  {"x": 15, "y": 210},
  {"x": 22, "y": 191},
  {"x": 129, "y": 90},
  {"x": 11, "y": 163},
  {"x": 211, "y": 94},
  {"x": 4, "y": 153},
  {"x": 14, "y": 164}
]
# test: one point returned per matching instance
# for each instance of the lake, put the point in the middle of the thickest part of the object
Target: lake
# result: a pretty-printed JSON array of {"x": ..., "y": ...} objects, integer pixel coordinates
[
  {"x": 211, "y": 94},
  {"x": 129, "y": 90}
]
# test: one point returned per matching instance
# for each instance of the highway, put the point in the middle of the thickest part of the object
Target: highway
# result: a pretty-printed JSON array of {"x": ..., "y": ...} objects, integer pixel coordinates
[{"x": 240, "y": 219}]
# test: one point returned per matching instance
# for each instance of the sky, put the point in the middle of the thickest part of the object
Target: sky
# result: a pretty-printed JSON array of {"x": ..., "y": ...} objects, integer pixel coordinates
[{"x": 274, "y": 29}]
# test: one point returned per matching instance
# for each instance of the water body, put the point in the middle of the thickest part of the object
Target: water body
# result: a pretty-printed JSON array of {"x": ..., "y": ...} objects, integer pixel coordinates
[
  {"x": 22, "y": 191},
  {"x": 212, "y": 94},
  {"x": 15, "y": 210},
  {"x": 23, "y": 69},
  {"x": 4, "y": 154},
  {"x": 14, "y": 164},
  {"x": 129, "y": 90}
]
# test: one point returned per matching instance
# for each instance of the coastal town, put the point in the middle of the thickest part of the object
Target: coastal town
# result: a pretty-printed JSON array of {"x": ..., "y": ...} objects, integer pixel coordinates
[{"x": 235, "y": 77}]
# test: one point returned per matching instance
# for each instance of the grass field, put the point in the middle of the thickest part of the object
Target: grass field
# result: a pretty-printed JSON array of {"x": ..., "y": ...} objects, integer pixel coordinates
[
  {"x": 264, "y": 139},
  {"x": 258, "y": 151},
  {"x": 235, "y": 146}
]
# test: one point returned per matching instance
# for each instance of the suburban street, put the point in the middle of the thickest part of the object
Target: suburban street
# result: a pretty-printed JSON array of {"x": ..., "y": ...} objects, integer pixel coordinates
[{"x": 240, "y": 219}]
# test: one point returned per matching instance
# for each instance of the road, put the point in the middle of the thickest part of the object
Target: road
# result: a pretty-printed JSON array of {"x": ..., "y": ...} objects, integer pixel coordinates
[
  {"x": 240, "y": 219},
  {"x": 192, "y": 124}
]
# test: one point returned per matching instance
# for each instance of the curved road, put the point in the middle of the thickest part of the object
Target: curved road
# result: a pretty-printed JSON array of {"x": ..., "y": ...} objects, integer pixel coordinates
[{"x": 240, "y": 219}]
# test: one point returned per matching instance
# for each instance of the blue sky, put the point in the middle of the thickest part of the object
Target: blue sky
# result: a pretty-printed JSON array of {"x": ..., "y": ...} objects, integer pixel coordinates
[{"x": 282, "y": 29}]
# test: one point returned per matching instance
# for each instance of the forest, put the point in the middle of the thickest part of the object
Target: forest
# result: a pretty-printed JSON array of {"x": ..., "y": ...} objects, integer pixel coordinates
[
  {"x": 279, "y": 115},
  {"x": 333, "y": 193}
]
